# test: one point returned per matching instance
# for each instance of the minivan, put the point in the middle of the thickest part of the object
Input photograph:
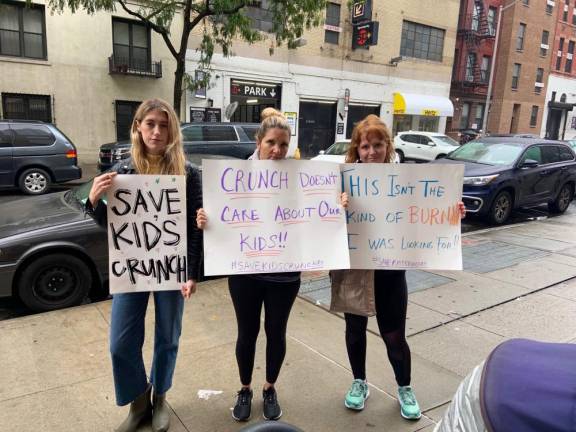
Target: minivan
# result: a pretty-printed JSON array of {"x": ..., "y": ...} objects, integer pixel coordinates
[{"x": 34, "y": 155}]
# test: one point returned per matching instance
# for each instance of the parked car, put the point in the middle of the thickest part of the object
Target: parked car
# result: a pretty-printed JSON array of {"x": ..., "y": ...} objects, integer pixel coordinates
[
  {"x": 34, "y": 155},
  {"x": 52, "y": 254},
  {"x": 337, "y": 153},
  {"x": 236, "y": 140},
  {"x": 423, "y": 146},
  {"x": 504, "y": 173}
]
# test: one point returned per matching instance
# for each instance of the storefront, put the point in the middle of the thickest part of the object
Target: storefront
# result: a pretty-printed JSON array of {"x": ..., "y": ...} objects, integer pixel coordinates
[{"x": 420, "y": 112}]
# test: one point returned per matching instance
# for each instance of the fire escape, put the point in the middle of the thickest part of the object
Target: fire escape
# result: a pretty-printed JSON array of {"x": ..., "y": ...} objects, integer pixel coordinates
[{"x": 475, "y": 31}]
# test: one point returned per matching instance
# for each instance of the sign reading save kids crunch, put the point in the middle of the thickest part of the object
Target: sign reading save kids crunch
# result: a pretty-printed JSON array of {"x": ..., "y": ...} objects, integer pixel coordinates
[
  {"x": 272, "y": 216},
  {"x": 275, "y": 216},
  {"x": 147, "y": 233}
]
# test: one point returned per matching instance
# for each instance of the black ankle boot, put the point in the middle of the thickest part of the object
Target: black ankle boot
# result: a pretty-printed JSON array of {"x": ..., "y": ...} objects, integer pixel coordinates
[
  {"x": 161, "y": 413},
  {"x": 140, "y": 410}
]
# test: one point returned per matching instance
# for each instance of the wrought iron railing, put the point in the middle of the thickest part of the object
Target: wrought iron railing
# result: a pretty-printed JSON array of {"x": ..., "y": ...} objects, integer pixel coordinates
[{"x": 126, "y": 66}]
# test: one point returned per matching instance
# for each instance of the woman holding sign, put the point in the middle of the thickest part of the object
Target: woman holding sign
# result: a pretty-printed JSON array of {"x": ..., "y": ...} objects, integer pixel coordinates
[
  {"x": 371, "y": 143},
  {"x": 276, "y": 291},
  {"x": 156, "y": 149}
]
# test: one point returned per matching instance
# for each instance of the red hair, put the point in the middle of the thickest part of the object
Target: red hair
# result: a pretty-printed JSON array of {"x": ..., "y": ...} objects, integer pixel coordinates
[{"x": 368, "y": 128}]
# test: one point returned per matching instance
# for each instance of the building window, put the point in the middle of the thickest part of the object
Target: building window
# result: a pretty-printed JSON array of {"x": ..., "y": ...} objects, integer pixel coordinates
[
  {"x": 520, "y": 37},
  {"x": 479, "y": 118},
  {"x": 422, "y": 41},
  {"x": 476, "y": 16},
  {"x": 574, "y": 17},
  {"x": 260, "y": 15},
  {"x": 539, "y": 80},
  {"x": 470, "y": 62},
  {"x": 492, "y": 20},
  {"x": 526, "y": 2},
  {"x": 569, "y": 56},
  {"x": 534, "y": 116},
  {"x": 559, "y": 58},
  {"x": 464, "y": 115},
  {"x": 544, "y": 43},
  {"x": 565, "y": 14},
  {"x": 549, "y": 7},
  {"x": 131, "y": 42},
  {"x": 26, "y": 107},
  {"x": 485, "y": 69},
  {"x": 516, "y": 75},
  {"x": 22, "y": 30},
  {"x": 332, "y": 20}
]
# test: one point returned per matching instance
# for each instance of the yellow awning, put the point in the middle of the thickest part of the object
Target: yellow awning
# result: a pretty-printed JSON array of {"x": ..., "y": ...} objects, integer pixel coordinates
[{"x": 424, "y": 105}]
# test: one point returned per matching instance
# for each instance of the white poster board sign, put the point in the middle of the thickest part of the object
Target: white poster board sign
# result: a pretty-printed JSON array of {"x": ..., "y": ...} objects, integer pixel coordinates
[
  {"x": 404, "y": 216},
  {"x": 147, "y": 240},
  {"x": 273, "y": 216}
]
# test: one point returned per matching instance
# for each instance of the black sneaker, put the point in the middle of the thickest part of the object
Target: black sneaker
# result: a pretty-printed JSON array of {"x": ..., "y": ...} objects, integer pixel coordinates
[
  {"x": 241, "y": 411},
  {"x": 272, "y": 410}
]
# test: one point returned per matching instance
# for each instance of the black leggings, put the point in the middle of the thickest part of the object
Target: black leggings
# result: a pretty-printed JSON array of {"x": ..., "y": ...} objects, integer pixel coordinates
[
  {"x": 391, "y": 298},
  {"x": 248, "y": 294}
]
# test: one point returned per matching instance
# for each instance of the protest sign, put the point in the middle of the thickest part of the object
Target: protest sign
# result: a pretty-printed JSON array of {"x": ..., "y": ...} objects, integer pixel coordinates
[
  {"x": 273, "y": 216},
  {"x": 404, "y": 216},
  {"x": 147, "y": 233}
]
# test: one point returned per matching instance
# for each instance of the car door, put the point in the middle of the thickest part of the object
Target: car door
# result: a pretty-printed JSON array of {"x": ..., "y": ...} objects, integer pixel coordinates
[
  {"x": 426, "y": 150},
  {"x": 534, "y": 182},
  {"x": 408, "y": 143},
  {"x": 551, "y": 155},
  {"x": 6, "y": 159}
]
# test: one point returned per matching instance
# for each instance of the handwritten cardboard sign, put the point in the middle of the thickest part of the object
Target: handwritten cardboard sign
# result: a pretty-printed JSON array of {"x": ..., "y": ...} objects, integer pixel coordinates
[
  {"x": 273, "y": 216},
  {"x": 404, "y": 216},
  {"x": 147, "y": 233}
]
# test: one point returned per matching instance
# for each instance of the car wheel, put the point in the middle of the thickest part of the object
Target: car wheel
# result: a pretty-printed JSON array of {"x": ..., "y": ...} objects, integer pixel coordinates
[
  {"x": 53, "y": 282},
  {"x": 400, "y": 154},
  {"x": 441, "y": 156},
  {"x": 34, "y": 181},
  {"x": 563, "y": 200},
  {"x": 501, "y": 208}
]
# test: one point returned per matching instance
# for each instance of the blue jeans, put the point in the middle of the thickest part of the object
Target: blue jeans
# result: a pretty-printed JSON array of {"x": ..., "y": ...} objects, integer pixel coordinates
[{"x": 127, "y": 339}]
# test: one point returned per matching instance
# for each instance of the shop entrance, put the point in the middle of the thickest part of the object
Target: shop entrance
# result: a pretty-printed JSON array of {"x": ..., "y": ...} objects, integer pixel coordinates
[
  {"x": 253, "y": 97},
  {"x": 316, "y": 127}
]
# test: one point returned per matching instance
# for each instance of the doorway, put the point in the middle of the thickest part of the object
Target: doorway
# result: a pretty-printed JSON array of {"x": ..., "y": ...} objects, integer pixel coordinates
[{"x": 316, "y": 127}]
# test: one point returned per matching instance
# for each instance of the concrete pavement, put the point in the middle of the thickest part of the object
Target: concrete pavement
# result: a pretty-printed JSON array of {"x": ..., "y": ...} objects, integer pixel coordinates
[{"x": 518, "y": 281}]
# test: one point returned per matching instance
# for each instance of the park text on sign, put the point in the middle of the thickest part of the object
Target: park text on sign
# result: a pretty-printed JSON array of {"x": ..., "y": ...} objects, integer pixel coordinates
[
  {"x": 254, "y": 90},
  {"x": 273, "y": 216},
  {"x": 147, "y": 242}
]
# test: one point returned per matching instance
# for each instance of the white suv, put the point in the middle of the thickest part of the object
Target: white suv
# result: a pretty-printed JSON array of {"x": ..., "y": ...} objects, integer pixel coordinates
[{"x": 423, "y": 146}]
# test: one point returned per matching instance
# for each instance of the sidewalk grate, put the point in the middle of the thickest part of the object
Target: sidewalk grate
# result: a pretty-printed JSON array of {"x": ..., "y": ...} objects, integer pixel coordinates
[{"x": 490, "y": 256}]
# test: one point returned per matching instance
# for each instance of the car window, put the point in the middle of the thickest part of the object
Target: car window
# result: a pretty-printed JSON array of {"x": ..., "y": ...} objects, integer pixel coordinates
[
  {"x": 219, "y": 133},
  {"x": 487, "y": 153},
  {"x": 250, "y": 131},
  {"x": 31, "y": 135},
  {"x": 533, "y": 153},
  {"x": 192, "y": 133},
  {"x": 423, "y": 139},
  {"x": 339, "y": 148},
  {"x": 5, "y": 136},
  {"x": 409, "y": 138},
  {"x": 550, "y": 154},
  {"x": 565, "y": 154}
]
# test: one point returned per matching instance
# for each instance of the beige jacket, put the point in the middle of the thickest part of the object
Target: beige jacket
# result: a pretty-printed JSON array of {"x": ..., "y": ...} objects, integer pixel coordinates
[{"x": 353, "y": 292}]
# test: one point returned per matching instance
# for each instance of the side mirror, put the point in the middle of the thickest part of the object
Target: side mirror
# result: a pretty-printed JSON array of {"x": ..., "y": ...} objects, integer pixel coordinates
[
  {"x": 529, "y": 163},
  {"x": 321, "y": 152}
]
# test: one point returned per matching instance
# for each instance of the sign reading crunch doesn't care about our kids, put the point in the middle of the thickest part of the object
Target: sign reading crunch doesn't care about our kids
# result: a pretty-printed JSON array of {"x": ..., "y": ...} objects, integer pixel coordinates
[
  {"x": 147, "y": 240},
  {"x": 277, "y": 216},
  {"x": 272, "y": 216}
]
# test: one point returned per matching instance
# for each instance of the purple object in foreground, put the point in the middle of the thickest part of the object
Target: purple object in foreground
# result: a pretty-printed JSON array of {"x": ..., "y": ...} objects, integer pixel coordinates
[{"x": 530, "y": 386}]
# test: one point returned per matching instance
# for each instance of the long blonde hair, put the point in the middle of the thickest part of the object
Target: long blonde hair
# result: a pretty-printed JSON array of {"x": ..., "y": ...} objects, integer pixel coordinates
[
  {"x": 174, "y": 160},
  {"x": 369, "y": 127}
]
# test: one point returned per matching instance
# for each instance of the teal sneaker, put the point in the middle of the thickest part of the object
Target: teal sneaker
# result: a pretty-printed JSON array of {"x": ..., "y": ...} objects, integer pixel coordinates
[
  {"x": 357, "y": 395},
  {"x": 409, "y": 407}
]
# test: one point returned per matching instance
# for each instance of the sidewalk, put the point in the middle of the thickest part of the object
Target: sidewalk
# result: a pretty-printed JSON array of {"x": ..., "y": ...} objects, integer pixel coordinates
[{"x": 518, "y": 281}]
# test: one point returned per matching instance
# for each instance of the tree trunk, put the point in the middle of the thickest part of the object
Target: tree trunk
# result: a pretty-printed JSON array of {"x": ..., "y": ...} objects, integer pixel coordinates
[{"x": 178, "y": 79}]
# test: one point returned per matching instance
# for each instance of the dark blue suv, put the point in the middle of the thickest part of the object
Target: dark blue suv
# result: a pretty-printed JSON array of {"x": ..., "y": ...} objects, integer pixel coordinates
[
  {"x": 33, "y": 155},
  {"x": 504, "y": 173}
]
